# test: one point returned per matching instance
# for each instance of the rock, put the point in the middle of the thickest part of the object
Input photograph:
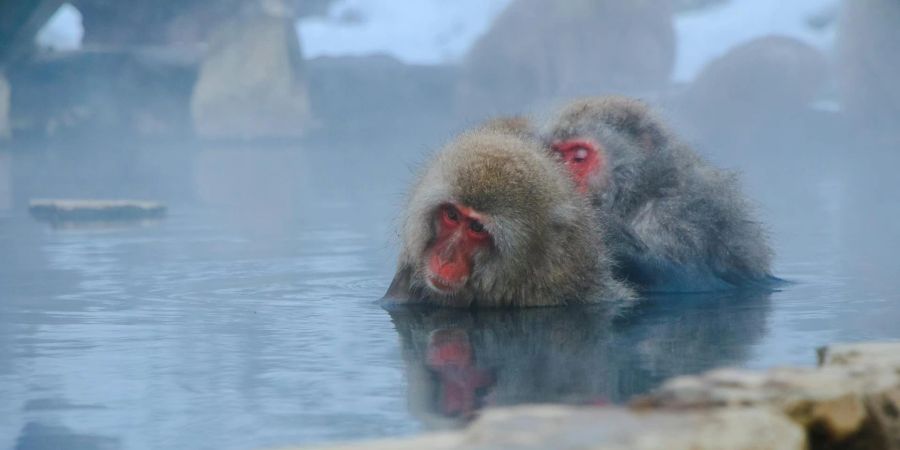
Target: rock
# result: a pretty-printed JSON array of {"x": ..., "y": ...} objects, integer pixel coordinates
[
  {"x": 20, "y": 22},
  {"x": 867, "y": 65},
  {"x": 884, "y": 410},
  {"x": 542, "y": 427},
  {"x": 861, "y": 354},
  {"x": 431, "y": 441},
  {"x": 882, "y": 406},
  {"x": 135, "y": 23},
  {"x": 59, "y": 211},
  {"x": 764, "y": 73},
  {"x": 757, "y": 89},
  {"x": 251, "y": 84},
  {"x": 174, "y": 22},
  {"x": 4, "y": 108},
  {"x": 852, "y": 400},
  {"x": 540, "y": 51},
  {"x": 369, "y": 95},
  {"x": 104, "y": 92},
  {"x": 690, "y": 5}
]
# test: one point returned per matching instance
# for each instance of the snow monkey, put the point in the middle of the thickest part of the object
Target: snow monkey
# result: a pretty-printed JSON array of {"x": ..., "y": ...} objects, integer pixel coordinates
[
  {"x": 674, "y": 222},
  {"x": 492, "y": 222}
]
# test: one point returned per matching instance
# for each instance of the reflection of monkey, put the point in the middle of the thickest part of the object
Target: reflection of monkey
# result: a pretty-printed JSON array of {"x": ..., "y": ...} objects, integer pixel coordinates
[
  {"x": 459, "y": 360},
  {"x": 462, "y": 384}
]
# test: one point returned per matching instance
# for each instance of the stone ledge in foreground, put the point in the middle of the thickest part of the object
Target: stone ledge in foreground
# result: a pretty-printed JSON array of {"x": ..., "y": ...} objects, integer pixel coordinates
[{"x": 851, "y": 401}]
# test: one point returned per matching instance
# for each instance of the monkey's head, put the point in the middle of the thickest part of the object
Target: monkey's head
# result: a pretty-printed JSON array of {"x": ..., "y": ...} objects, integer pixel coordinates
[
  {"x": 605, "y": 142},
  {"x": 519, "y": 125},
  {"x": 487, "y": 221}
]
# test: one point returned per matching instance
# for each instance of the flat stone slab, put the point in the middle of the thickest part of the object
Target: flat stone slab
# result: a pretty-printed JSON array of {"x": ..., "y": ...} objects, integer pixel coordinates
[
  {"x": 59, "y": 211},
  {"x": 609, "y": 428}
]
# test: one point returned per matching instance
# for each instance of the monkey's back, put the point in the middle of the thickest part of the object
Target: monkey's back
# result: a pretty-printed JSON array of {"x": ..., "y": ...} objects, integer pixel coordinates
[{"x": 700, "y": 232}]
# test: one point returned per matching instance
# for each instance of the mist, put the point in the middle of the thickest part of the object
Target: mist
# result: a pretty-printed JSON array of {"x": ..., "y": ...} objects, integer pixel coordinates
[{"x": 282, "y": 137}]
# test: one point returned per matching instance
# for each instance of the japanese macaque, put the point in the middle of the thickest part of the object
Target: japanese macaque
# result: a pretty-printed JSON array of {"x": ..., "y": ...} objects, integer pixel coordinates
[
  {"x": 674, "y": 222},
  {"x": 491, "y": 222},
  {"x": 518, "y": 125}
]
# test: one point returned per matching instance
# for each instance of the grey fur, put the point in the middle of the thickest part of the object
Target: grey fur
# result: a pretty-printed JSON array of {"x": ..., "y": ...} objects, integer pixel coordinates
[
  {"x": 546, "y": 243},
  {"x": 675, "y": 222}
]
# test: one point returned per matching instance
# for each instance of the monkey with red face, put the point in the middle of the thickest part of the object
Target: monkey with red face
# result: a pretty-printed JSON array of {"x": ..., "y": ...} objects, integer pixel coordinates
[
  {"x": 675, "y": 222},
  {"x": 492, "y": 223}
]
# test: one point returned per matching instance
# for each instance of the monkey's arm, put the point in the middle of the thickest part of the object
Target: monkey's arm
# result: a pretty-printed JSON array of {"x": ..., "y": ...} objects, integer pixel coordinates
[
  {"x": 621, "y": 239},
  {"x": 701, "y": 241},
  {"x": 678, "y": 238}
]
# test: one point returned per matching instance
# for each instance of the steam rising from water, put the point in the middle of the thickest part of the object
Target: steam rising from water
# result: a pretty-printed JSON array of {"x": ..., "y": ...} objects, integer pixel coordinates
[{"x": 245, "y": 319}]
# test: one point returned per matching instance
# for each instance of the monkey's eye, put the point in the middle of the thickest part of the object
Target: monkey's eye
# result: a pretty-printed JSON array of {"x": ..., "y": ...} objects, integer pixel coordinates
[
  {"x": 476, "y": 227},
  {"x": 450, "y": 215},
  {"x": 580, "y": 154}
]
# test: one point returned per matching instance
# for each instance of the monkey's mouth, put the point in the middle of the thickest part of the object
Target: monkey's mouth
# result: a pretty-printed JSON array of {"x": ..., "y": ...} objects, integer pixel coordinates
[{"x": 443, "y": 286}]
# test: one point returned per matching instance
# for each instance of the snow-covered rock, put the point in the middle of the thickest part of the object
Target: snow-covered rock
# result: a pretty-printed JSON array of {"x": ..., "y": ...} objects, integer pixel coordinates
[{"x": 419, "y": 32}]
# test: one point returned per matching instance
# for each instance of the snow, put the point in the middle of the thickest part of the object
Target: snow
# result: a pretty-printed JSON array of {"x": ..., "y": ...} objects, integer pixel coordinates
[
  {"x": 417, "y": 32},
  {"x": 706, "y": 34},
  {"x": 440, "y": 31},
  {"x": 63, "y": 31}
]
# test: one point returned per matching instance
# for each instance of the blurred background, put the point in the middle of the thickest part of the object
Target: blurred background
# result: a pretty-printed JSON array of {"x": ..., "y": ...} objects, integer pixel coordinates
[
  {"x": 100, "y": 98},
  {"x": 282, "y": 135}
]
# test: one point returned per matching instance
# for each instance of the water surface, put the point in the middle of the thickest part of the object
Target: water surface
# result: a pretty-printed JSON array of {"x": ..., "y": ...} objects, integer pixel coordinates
[{"x": 246, "y": 319}]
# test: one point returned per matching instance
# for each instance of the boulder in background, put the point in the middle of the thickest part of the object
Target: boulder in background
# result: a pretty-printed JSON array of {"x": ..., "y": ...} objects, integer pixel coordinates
[
  {"x": 251, "y": 83},
  {"x": 539, "y": 52}
]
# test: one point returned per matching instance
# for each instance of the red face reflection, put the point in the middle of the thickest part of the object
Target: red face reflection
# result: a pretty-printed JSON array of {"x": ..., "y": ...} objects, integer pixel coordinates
[{"x": 462, "y": 385}]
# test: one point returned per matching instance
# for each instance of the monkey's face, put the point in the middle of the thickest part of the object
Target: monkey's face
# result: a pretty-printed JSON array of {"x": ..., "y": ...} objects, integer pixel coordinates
[
  {"x": 460, "y": 236},
  {"x": 585, "y": 160}
]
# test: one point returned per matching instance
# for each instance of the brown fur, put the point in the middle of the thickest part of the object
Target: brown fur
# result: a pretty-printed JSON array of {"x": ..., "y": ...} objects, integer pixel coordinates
[
  {"x": 518, "y": 125},
  {"x": 676, "y": 223},
  {"x": 546, "y": 243}
]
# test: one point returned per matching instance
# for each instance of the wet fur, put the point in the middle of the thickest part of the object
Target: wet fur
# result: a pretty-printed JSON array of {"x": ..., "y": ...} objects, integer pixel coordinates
[
  {"x": 675, "y": 222},
  {"x": 547, "y": 244}
]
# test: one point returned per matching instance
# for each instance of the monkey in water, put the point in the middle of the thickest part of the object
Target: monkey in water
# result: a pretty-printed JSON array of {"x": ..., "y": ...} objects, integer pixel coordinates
[
  {"x": 675, "y": 223},
  {"x": 492, "y": 222}
]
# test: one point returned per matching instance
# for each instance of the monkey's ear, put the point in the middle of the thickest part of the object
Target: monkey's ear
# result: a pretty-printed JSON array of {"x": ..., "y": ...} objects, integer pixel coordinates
[
  {"x": 636, "y": 120},
  {"x": 398, "y": 292}
]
